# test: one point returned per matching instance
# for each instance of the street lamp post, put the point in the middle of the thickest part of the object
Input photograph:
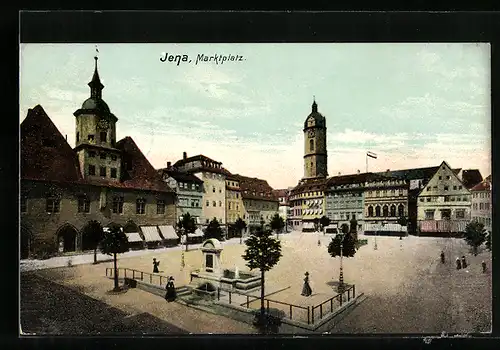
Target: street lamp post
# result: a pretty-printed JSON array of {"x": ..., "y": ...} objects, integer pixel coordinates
[
  {"x": 340, "y": 288},
  {"x": 375, "y": 244}
]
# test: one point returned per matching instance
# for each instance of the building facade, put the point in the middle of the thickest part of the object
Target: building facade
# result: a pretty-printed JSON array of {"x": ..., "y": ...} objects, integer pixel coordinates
[
  {"x": 259, "y": 201},
  {"x": 284, "y": 209},
  {"x": 444, "y": 204},
  {"x": 481, "y": 203},
  {"x": 189, "y": 190},
  {"x": 234, "y": 202},
  {"x": 385, "y": 201},
  {"x": 213, "y": 176},
  {"x": 62, "y": 189},
  {"x": 307, "y": 201}
]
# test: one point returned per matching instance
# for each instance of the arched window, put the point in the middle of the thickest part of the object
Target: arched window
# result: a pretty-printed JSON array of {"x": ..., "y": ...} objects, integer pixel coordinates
[
  {"x": 386, "y": 210},
  {"x": 401, "y": 210},
  {"x": 311, "y": 145},
  {"x": 393, "y": 210},
  {"x": 370, "y": 211},
  {"x": 377, "y": 211}
]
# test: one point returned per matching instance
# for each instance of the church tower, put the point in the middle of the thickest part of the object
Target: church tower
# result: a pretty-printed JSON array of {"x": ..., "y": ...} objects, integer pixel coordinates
[
  {"x": 315, "y": 156},
  {"x": 96, "y": 136}
]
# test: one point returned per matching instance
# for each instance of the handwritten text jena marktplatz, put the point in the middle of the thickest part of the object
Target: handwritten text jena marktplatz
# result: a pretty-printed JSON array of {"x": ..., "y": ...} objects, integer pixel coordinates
[{"x": 201, "y": 58}]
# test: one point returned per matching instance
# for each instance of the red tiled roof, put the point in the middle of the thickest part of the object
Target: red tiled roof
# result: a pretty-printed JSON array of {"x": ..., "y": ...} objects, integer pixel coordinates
[
  {"x": 284, "y": 192},
  {"x": 251, "y": 185},
  {"x": 137, "y": 171},
  {"x": 179, "y": 176},
  {"x": 45, "y": 153},
  {"x": 199, "y": 157},
  {"x": 483, "y": 185},
  {"x": 310, "y": 185}
]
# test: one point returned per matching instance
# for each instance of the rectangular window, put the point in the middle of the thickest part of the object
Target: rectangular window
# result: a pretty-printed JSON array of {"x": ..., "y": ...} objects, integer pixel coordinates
[
  {"x": 193, "y": 203},
  {"x": 428, "y": 199},
  {"x": 455, "y": 187},
  {"x": 102, "y": 155},
  {"x": 102, "y": 136},
  {"x": 445, "y": 214},
  {"x": 91, "y": 154},
  {"x": 208, "y": 203},
  {"x": 193, "y": 186},
  {"x": 91, "y": 169},
  {"x": 52, "y": 205},
  {"x": 460, "y": 214},
  {"x": 91, "y": 137},
  {"x": 117, "y": 205},
  {"x": 102, "y": 171},
  {"x": 428, "y": 189},
  {"x": 213, "y": 189},
  {"x": 446, "y": 198},
  {"x": 160, "y": 207},
  {"x": 480, "y": 206},
  {"x": 140, "y": 206},
  {"x": 486, "y": 206},
  {"x": 113, "y": 173},
  {"x": 429, "y": 215},
  {"x": 114, "y": 157},
  {"x": 448, "y": 177},
  {"x": 214, "y": 204},
  {"x": 421, "y": 199},
  {"x": 440, "y": 178},
  {"x": 446, "y": 188},
  {"x": 83, "y": 204},
  {"x": 474, "y": 206},
  {"x": 24, "y": 204},
  {"x": 459, "y": 187}
]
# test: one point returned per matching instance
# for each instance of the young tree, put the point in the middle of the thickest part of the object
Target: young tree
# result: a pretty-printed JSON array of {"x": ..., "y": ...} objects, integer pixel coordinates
[
  {"x": 354, "y": 228},
  {"x": 114, "y": 242},
  {"x": 403, "y": 221},
  {"x": 475, "y": 235},
  {"x": 263, "y": 252},
  {"x": 187, "y": 224},
  {"x": 93, "y": 233},
  {"x": 213, "y": 230},
  {"x": 324, "y": 221},
  {"x": 240, "y": 225},
  {"x": 348, "y": 245},
  {"x": 277, "y": 224},
  {"x": 316, "y": 223}
]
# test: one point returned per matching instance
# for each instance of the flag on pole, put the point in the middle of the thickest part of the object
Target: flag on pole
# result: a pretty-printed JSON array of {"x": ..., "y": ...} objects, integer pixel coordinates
[
  {"x": 371, "y": 154},
  {"x": 96, "y": 49}
]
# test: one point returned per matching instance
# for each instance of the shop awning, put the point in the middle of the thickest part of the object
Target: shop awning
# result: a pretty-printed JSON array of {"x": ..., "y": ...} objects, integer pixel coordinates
[
  {"x": 168, "y": 232},
  {"x": 151, "y": 233},
  {"x": 134, "y": 237}
]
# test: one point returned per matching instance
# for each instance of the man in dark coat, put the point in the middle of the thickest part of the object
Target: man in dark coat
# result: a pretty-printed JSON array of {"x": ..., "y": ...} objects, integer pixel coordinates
[
  {"x": 170, "y": 287},
  {"x": 459, "y": 264},
  {"x": 464, "y": 263},
  {"x": 442, "y": 256},
  {"x": 155, "y": 266}
]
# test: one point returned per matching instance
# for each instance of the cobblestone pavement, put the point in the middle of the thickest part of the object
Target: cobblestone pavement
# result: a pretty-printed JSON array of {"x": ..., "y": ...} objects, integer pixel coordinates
[
  {"x": 437, "y": 299},
  {"x": 50, "y": 308}
]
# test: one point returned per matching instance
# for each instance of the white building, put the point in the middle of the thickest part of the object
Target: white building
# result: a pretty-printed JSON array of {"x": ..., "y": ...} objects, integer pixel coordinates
[{"x": 481, "y": 203}]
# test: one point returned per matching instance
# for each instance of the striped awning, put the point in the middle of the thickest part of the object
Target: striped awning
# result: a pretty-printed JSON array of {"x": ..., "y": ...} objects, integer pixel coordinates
[
  {"x": 168, "y": 232},
  {"x": 197, "y": 233},
  {"x": 134, "y": 237},
  {"x": 151, "y": 233}
]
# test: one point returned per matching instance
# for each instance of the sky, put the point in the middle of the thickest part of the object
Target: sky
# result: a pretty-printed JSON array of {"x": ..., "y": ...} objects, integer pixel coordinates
[{"x": 414, "y": 105}]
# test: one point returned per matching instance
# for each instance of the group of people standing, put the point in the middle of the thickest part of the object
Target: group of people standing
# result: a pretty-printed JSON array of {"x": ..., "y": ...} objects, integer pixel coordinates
[{"x": 461, "y": 263}]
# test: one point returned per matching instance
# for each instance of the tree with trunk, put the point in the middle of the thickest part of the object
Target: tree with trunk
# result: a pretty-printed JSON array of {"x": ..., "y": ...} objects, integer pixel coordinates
[
  {"x": 213, "y": 230},
  {"x": 93, "y": 233},
  {"x": 475, "y": 235},
  {"x": 263, "y": 252},
  {"x": 344, "y": 228},
  {"x": 348, "y": 245},
  {"x": 187, "y": 225},
  {"x": 114, "y": 242},
  {"x": 403, "y": 221},
  {"x": 277, "y": 224},
  {"x": 316, "y": 223},
  {"x": 240, "y": 225},
  {"x": 324, "y": 221}
]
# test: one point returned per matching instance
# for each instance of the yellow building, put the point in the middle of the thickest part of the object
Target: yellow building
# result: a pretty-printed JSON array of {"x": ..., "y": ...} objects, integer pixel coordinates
[{"x": 234, "y": 202}]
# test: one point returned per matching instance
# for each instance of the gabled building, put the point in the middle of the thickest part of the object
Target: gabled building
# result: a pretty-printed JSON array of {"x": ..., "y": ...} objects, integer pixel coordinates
[
  {"x": 259, "y": 201},
  {"x": 213, "y": 176},
  {"x": 481, "y": 203},
  {"x": 443, "y": 204},
  {"x": 189, "y": 189},
  {"x": 62, "y": 189}
]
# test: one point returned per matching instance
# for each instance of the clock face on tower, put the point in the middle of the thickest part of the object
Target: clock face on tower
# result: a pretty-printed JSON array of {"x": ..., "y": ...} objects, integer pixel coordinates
[
  {"x": 103, "y": 124},
  {"x": 311, "y": 133}
]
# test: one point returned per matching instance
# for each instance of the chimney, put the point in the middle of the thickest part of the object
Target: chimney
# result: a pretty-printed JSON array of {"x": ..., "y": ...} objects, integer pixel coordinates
[
  {"x": 184, "y": 155},
  {"x": 359, "y": 172},
  {"x": 168, "y": 164},
  {"x": 339, "y": 173},
  {"x": 388, "y": 170}
]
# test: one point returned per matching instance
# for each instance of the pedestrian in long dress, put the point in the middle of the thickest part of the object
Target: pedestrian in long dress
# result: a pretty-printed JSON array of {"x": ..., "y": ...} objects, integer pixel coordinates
[
  {"x": 155, "y": 266},
  {"x": 170, "y": 287},
  {"x": 459, "y": 264},
  {"x": 306, "y": 289},
  {"x": 442, "y": 257},
  {"x": 483, "y": 264},
  {"x": 464, "y": 263}
]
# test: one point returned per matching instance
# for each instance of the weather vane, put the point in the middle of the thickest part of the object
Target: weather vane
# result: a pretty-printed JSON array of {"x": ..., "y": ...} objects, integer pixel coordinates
[{"x": 96, "y": 51}]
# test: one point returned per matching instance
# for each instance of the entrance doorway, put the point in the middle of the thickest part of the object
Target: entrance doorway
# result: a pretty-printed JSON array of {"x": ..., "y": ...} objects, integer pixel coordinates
[{"x": 67, "y": 239}]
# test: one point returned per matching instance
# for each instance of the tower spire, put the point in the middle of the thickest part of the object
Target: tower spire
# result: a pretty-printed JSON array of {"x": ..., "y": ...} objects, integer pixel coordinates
[
  {"x": 95, "y": 84},
  {"x": 314, "y": 105}
]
